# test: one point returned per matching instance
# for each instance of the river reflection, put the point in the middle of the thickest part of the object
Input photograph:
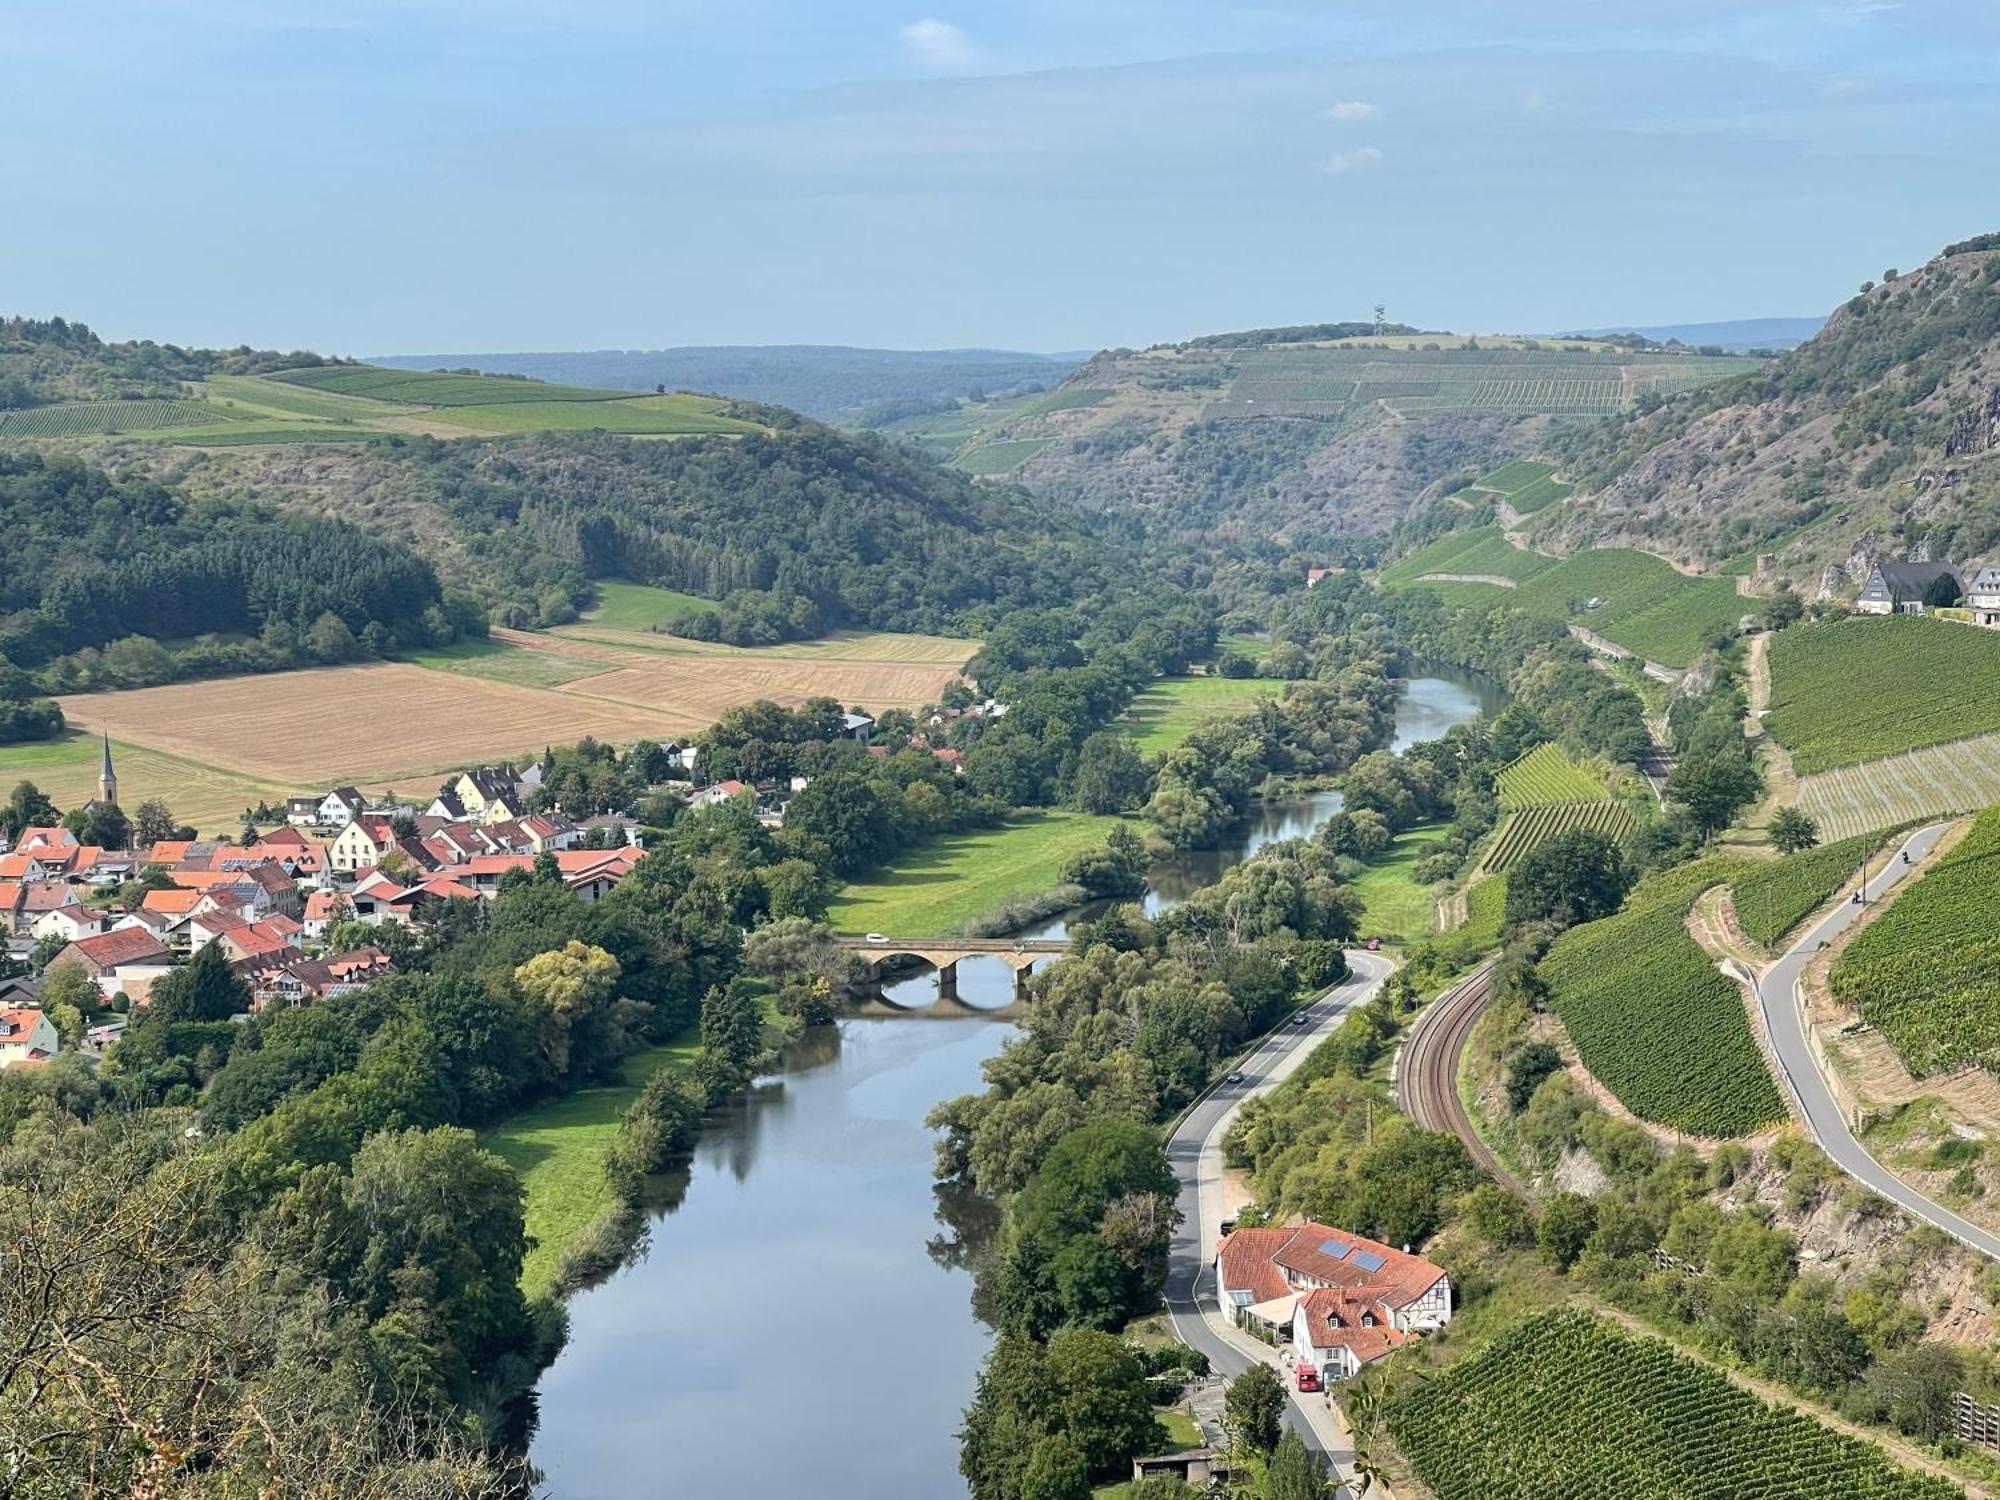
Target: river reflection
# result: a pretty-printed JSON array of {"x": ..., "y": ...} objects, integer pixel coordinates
[{"x": 799, "y": 1322}]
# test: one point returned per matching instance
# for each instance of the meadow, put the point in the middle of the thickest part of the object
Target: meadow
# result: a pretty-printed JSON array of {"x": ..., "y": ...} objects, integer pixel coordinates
[
  {"x": 557, "y": 1150},
  {"x": 1162, "y": 715},
  {"x": 1568, "y": 1404},
  {"x": 498, "y": 661},
  {"x": 639, "y": 606},
  {"x": 208, "y": 797},
  {"x": 1849, "y": 690},
  {"x": 1926, "y": 972},
  {"x": 1394, "y": 907},
  {"x": 1654, "y": 1021},
  {"x": 434, "y": 388},
  {"x": 669, "y": 416},
  {"x": 939, "y": 889}
]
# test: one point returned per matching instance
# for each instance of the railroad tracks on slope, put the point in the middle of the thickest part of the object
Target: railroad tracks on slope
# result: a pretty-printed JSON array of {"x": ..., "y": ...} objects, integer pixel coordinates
[{"x": 1426, "y": 1075}]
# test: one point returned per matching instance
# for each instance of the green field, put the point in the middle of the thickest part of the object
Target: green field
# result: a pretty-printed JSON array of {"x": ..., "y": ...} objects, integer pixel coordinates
[
  {"x": 1642, "y": 603},
  {"x": 639, "y": 606},
  {"x": 1771, "y": 899},
  {"x": 254, "y": 395},
  {"x": 1162, "y": 715},
  {"x": 427, "y": 388},
  {"x": 557, "y": 1150},
  {"x": 1850, "y": 690},
  {"x": 1065, "y": 400},
  {"x": 1539, "y": 496},
  {"x": 98, "y": 418},
  {"x": 1654, "y": 1021},
  {"x": 1927, "y": 970},
  {"x": 1547, "y": 774},
  {"x": 503, "y": 663},
  {"x": 999, "y": 458},
  {"x": 1514, "y": 475},
  {"x": 209, "y": 798},
  {"x": 1394, "y": 907},
  {"x": 1485, "y": 914},
  {"x": 937, "y": 890},
  {"x": 1958, "y": 776},
  {"x": 662, "y": 415},
  {"x": 1569, "y": 1405}
]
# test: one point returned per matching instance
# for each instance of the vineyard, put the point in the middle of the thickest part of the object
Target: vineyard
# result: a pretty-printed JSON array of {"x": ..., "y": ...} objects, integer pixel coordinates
[
  {"x": 1485, "y": 914},
  {"x": 1546, "y": 774},
  {"x": 1654, "y": 1021},
  {"x": 1850, "y": 690},
  {"x": 1927, "y": 971},
  {"x": 1569, "y": 1407},
  {"x": 1640, "y": 602},
  {"x": 1955, "y": 777},
  {"x": 95, "y": 418},
  {"x": 1773, "y": 898},
  {"x": 424, "y": 388},
  {"x": 1539, "y": 496},
  {"x": 1514, "y": 475},
  {"x": 1531, "y": 827}
]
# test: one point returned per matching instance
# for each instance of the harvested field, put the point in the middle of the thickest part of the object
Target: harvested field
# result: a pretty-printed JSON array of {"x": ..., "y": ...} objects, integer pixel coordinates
[
  {"x": 704, "y": 686},
  {"x": 365, "y": 724}
]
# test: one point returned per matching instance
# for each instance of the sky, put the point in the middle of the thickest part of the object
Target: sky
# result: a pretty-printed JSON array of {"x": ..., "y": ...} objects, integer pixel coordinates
[{"x": 379, "y": 176}]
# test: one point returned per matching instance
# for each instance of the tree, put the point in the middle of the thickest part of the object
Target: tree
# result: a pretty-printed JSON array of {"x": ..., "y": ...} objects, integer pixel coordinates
[
  {"x": 203, "y": 989},
  {"x": 1058, "y": 1469},
  {"x": 1783, "y": 608},
  {"x": 1792, "y": 830},
  {"x": 1497, "y": 1216},
  {"x": 1922, "y": 1383},
  {"x": 1713, "y": 788},
  {"x": 28, "y": 808},
  {"x": 69, "y": 989},
  {"x": 732, "y": 1039},
  {"x": 1568, "y": 1221},
  {"x": 1296, "y": 1472},
  {"x": 1253, "y": 1409},
  {"x": 1943, "y": 592},
  {"x": 154, "y": 822},
  {"x": 329, "y": 640},
  {"x": 1104, "y": 1403},
  {"x": 102, "y": 824},
  {"x": 1525, "y": 1073},
  {"x": 1110, "y": 776},
  {"x": 1574, "y": 877}
]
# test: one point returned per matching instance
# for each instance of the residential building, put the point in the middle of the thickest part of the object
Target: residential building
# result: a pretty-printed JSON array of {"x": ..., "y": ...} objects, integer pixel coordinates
[
  {"x": 323, "y": 910},
  {"x": 68, "y": 922},
  {"x": 857, "y": 726},
  {"x": 722, "y": 791},
  {"x": 485, "y": 794},
  {"x": 103, "y": 954},
  {"x": 1900, "y": 587},
  {"x": 27, "y": 1036},
  {"x": 1339, "y": 1299},
  {"x": 308, "y": 980},
  {"x": 303, "y": 812},
  {"x": 363, "y": 843},
  {"x": 1982, "y": 597},
  {"x": 340, "y": 807}
]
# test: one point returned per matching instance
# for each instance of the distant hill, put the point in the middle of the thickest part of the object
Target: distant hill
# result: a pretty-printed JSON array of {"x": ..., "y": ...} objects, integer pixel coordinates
[
  {"x": 1306, "y": 434},
  {"x": 1878, "y": 437},
  {"x": 854, "y": 387},
  {"x": 1737, "y": 334}
]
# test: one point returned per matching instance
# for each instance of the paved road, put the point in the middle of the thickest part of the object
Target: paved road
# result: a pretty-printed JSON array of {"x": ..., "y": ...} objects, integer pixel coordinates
[
  {"x": 1426, "y": 1073},
  {"x": 1778, "y": 995},
  {"x": 1195, "y": 1152}
]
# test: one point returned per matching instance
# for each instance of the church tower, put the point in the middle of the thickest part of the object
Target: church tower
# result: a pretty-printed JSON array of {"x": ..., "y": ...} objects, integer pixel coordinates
[{"x": 107, "y": 779}]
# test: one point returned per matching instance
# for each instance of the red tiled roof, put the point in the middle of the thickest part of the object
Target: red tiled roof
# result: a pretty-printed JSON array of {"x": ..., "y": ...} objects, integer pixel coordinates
[
  {"x": 1338, "y": 1318},
  {"x": 324, "y": 906},
  {"x": 127, "y": 945},
  {"x": 15, "y": 866},
  {"x": 174, "y": 903},
  {"x": 1399, "y": 1278},
  {"x": 57, "y": 837},
  {"x": 1249, "y": 1262}
]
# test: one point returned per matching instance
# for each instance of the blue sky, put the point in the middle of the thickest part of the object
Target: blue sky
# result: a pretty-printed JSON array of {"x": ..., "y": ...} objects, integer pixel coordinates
[{"x": 446, "y": 175}]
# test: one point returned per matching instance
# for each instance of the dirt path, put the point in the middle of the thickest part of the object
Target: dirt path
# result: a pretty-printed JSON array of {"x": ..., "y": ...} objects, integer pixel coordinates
[
  {"x": 1781, "y": 782},
  {"x": 1498, "y": 580},
  {"x": 1655, "y": 670}
]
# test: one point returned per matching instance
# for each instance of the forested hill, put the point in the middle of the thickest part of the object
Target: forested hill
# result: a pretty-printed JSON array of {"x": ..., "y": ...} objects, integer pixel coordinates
[
  {"x": 55, "y": 359},
  {"x": 1879, "y": 436},
  {"x": 858, "y": 528},
  {"x": 122, "y": 582}
]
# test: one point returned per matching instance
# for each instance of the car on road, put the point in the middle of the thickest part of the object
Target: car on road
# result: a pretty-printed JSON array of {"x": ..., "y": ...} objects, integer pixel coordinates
[
  {"x": 1373, "y": 945},
  {"x": 1234, "y": 1078},
  {"x": 876, "y": 937},
  {"x": 1298, "y": 1018}
]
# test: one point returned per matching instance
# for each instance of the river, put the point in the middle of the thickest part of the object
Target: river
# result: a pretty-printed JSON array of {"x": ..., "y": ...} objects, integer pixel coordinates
[{"x": 798, "y": 1324}]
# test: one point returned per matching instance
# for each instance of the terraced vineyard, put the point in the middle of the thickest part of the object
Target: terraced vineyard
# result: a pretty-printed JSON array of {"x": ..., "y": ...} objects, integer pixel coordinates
[
  {"x": 1530, "y": 828},
  {"x": 1849, "y": 690},
  {"x": 1630, "y": 598},
  {"x": 1956, "y": 777},
  {"x": 1568, "y": 1405},
  {"x": 1654, "y": 1021},
  {"x": 1546, "y": 774},
  {"x": 1771, "y": 899},
  {"x": 92, "y": 418},
  {"x": 1927, "y": 971}
]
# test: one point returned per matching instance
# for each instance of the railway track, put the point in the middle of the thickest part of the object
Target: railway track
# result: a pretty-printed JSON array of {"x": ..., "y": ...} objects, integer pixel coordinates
[{"x": 1426, "y": 1086}]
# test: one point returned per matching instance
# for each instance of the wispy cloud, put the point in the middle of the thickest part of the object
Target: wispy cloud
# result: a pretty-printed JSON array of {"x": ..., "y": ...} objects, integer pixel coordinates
[
  {"x": 931, "y": 43},
  {"x": 1359, "y": 159},
  {"x": 1351, "y": 111}
]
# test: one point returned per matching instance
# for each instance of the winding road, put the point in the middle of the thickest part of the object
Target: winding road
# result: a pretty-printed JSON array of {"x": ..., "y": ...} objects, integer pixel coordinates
[
  {"x": 1780, "y": 998},
  {"x": 1194, "y": 1151}
]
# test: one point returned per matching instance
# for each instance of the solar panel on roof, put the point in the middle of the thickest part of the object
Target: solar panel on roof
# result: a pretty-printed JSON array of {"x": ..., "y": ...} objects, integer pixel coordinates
[
  {"x": 1336, "y": 1248},
  {"x": 1368, "y": 1260}
]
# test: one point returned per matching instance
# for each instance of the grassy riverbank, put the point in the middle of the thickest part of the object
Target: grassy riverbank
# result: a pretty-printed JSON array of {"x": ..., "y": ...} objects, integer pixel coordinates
[
  {"x": 1161, "y": 716},
  {"x": 557, "y": 1150},
  {"x": 938, "y": 889},
  {"x": 1397, "y": 908}
]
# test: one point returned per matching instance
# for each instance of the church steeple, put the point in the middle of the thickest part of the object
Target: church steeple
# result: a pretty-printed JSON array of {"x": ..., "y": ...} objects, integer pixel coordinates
[{"x": 107, "y": 779}]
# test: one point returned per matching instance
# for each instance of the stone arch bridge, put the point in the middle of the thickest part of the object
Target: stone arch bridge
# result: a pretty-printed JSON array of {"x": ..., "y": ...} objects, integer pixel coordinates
[{"x": 943, "y": 954}]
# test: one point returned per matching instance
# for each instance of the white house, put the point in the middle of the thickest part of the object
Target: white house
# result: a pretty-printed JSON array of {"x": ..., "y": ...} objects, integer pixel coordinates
[
  {"x": 1340, "y": 1299},
  {"x": 364, "y": 842},
  {"x": 1982, "y": 597},
  {"x": 340, "y": 807},
  {"x": 68, "y": 923},
  {"x": 1900, "y": 587},
  {"x": 27, "y": 1035},
  {"x": 722, "y": 791}
]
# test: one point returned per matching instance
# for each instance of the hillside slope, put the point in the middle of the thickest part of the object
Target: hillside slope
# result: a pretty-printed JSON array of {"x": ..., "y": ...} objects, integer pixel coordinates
[{"x": 1878, "y": 437}]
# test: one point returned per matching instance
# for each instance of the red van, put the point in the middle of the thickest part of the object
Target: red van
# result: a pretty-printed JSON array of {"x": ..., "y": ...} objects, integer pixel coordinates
[{"x": 1308, "y": 1377}]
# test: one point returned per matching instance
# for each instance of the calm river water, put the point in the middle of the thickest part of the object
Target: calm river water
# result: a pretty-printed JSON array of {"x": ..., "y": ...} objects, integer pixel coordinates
[{"x": 799, "y": 1324}]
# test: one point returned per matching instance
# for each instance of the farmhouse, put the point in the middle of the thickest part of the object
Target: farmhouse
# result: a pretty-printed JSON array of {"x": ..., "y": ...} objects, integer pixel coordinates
[
  {"x": 1341, "y": 1300},
  {"x": 1902, "y": 587}
]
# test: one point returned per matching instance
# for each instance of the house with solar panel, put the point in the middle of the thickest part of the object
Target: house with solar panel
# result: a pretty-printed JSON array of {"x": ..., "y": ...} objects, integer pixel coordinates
[{"x": 1339, "y": 1300}]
